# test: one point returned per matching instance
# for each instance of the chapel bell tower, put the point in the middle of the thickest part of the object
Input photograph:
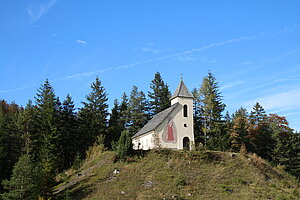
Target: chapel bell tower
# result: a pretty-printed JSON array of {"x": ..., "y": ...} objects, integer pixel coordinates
[{"x": 184, "y": 121}]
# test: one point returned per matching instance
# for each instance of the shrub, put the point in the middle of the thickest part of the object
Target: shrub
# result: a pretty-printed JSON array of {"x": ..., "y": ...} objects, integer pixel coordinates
[{"x": 124, "y": 148}]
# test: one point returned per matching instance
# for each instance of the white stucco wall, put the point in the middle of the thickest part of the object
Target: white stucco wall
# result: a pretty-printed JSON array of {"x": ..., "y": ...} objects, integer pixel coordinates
[{"x": 144, "y": 142}]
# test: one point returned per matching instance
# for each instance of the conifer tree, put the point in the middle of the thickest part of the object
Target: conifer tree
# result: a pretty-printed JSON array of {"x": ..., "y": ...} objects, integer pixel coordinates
[
  {"x": 212, "y": 108},
  {"x": 124, "y": 111},
  {"x": 48, "y": 110},
  {"x": 257, "y": 115},
  {"x": 10, "y": 138},
  {"x": 137, "y": 110},
  {"x": 115, "y": 126},
  {"x": 260, "y": 134},
  {"x": 22, "y": 182},
  {"x": 69, "y": 130},
  {"x": 49, "y": 139},
  {"x": 222, "y": 140},
  {"x": 30, "y": 128},
  {"x": 239, "y": 132},
  {"x": 46, "y": 171},
  {"x": 93, "y": 116},
  {"x": 287, "y": 152},
  {"x": 159, "y": 95},
  {"x": 198, "y": 121},
  {"x": 228, "y": 121}
]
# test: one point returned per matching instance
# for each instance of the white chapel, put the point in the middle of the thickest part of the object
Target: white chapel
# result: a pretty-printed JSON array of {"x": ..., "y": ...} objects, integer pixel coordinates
[{"x": 172, "y": 128}]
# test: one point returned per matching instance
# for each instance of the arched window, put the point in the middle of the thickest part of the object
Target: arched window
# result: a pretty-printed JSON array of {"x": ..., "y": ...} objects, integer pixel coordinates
[{"x": 185, "y": 111}]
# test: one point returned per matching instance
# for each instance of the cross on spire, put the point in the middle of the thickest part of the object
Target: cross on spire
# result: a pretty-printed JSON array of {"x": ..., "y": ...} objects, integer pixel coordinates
[{"x": 181, "y": 77}]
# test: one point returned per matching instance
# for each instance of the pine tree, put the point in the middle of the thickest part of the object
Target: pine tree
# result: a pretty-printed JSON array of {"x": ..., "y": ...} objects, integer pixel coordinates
[
  {"x": 22, "y": 182},
  {"x": 159, "y": 95},
  {"x": 93, "y": 116},
  {"x": 212, "y": 108},
  {"x": 137, "y": 110}
]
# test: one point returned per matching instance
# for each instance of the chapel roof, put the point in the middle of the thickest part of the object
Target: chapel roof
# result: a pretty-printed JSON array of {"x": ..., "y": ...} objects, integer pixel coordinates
[
  {"x": 182, "y": 91},
  {"x": 156, "y": 120}
]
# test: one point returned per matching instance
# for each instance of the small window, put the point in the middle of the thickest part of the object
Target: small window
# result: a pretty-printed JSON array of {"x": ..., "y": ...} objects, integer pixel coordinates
[
  {"x": 185, "y": 111},
  {"x": 185, "y": 125}
]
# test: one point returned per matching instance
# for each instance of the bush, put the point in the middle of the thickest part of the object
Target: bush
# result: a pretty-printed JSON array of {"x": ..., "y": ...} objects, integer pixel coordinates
[
  {"x": 77, "y": 161},
  {"x": 124, "y": 148}
]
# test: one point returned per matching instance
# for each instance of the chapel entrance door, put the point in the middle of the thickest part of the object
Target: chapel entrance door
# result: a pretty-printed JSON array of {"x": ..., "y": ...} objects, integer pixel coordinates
[{"x": 186, "y": 143}]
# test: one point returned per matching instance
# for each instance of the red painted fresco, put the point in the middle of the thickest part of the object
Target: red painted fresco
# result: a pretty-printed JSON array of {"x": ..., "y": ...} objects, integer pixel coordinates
[{"x": 170, "y": 133}]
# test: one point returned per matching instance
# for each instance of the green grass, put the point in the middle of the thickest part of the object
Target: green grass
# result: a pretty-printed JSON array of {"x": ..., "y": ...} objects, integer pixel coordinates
[{"x": 183, "y": 175}]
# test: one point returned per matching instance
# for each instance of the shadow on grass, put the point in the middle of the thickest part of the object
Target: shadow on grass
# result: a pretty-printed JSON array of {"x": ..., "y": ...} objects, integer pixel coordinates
[{"x": 77, "y": 191}]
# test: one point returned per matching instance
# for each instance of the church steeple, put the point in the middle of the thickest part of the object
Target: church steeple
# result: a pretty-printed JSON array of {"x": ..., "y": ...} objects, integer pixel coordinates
[{"x": 182, "y": 91}]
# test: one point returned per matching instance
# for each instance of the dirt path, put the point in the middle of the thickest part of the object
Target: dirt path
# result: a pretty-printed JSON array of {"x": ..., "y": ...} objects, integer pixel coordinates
[{"x": 79, "y": 176}]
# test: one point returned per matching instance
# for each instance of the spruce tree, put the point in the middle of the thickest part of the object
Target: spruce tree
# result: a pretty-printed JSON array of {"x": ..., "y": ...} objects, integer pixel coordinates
[
  {"x": 124, "y": 111},
  {"x": 48, "y": 110},
  {"x": 115, "y": 126},
  {"x": 212, "y": 108},
  {"x": 69, "y": 130},
  {"x": 257, "y": 115},
  {"x": 46, "y": 171},
  {"x": 48, "y": 151},
  {"x": 31, "y": 134},
  {"x": 137, "y": 110},
  {"x": 198, "y": 121},
  {"x": 93, "y": 116},
  {"x": 11, "y": 142},
  {"x": 287, "y": 152},
  {"x": 159, "y": 95},
  {"x": 222, "y": 141},
  {"x": 22, "y": 182}
]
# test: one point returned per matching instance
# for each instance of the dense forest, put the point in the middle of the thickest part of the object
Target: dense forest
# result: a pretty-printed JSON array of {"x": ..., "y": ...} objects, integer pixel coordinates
[{"x": 49, "y": 135}]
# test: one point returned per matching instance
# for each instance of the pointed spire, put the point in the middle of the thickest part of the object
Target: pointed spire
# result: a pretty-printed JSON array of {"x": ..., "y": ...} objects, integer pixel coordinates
[{"x": 182, "y": 91}]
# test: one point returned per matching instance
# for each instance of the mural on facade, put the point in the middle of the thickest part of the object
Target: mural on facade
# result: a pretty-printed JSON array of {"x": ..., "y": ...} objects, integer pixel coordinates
[{"x": 170, "y": 133}]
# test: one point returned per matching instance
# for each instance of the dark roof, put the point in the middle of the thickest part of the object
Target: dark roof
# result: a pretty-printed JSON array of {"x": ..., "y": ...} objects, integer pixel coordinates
[
  {"x": 182, "y": 91},
  {"x": 156, "y": 121}
]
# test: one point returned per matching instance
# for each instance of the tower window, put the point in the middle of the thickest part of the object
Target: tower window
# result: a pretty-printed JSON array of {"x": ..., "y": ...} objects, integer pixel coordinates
[{"x": 185, "y": 111}]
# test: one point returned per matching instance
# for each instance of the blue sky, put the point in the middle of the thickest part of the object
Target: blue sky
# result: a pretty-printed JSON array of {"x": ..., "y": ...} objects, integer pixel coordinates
[{"x": 252, "y": 47}]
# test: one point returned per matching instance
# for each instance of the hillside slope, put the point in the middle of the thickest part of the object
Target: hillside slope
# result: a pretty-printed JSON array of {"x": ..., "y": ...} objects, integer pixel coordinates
[{"x": 179, "y": 175}]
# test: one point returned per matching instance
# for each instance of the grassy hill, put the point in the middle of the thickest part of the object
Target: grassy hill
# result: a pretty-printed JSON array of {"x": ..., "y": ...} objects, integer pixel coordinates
[{"x": 177, "y": 175}]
